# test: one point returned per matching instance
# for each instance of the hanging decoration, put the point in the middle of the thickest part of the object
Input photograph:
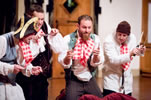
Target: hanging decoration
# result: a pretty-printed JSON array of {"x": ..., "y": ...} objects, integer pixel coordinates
[{"x": 70, "y": 5}]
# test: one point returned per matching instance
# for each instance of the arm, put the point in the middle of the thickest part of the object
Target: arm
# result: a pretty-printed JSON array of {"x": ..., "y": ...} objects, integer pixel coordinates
[
  {"x": 55, "y": 39},
  {"x": 29, "y": 69},
  {"x": 98, "y": 55},
  {"x": 113, "y": 55},
  {"x": 137, "y": 50},
  {"x": 63, "y": 58},
  {"x": 56, "y": 43},
  {"x": 112, "y": 51},
  {"x": 5, "y": 68}
]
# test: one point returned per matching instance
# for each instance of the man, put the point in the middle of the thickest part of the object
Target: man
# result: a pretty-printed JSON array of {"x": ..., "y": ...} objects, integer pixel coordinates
[
  {"x": 83, "y": 55},
  {"x": 36, "y": 87},
  {"x": 119, "y": 50},
  {"x": 9, "y": 89}
]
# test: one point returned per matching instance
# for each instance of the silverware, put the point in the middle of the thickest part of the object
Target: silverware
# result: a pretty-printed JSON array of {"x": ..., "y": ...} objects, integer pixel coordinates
[{"x": 46, "y": 34}]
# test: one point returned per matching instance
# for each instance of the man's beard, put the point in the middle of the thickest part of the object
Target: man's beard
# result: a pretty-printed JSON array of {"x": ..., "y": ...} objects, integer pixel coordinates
[{"x": 85, "y": 36}]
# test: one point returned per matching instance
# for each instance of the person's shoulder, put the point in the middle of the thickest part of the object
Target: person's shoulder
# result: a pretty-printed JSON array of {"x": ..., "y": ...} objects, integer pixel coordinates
[
  {"x": 2, "y": 39},
  {"x": 93, "y": 34},
  {"x": 132, "y": 37},
  {"x": 109, "y": 38},
  {"x": 67, "y": 37},
  {"x": 95, "y": 37},
  {"x": 9, "y": 34}
]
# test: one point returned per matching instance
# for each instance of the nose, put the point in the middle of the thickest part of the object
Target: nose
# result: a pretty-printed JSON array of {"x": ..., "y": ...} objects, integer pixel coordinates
[
  {"x": 40, "y": 21},
  {"x": 121, "y": 37},
  {"x": 87, "y": 30}
]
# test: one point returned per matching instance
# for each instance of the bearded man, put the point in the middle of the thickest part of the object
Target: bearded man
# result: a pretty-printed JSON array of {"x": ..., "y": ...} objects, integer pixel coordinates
[{"x": 81, "y": 59}]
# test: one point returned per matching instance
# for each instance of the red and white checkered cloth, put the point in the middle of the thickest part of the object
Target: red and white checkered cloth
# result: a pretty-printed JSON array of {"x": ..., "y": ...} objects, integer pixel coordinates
[
  {"x": 27, "y": 54},
  {"x": 124, "y": 50},
  {"x": 83, "y": 50}
]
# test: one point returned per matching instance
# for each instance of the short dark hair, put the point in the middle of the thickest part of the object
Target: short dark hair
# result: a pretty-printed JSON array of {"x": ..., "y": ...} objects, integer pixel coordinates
[
  {"x": 34, "y": 7},
  {"x": 86, "y": 17},
  {"x": 124, "y": 27}
]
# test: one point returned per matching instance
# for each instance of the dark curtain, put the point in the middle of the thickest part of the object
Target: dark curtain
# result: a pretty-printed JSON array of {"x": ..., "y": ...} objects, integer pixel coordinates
[
  {"x": 7, "y": 15},
  {"x": 97, "y": 11}
]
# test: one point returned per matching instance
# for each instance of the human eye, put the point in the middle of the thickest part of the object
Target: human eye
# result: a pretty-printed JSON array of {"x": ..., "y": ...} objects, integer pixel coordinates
[{"x": 124, "y": 35}]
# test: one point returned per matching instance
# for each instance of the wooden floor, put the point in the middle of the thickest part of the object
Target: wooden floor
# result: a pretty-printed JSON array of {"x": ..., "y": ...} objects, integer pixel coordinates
[{"x": 141, "y": 87}]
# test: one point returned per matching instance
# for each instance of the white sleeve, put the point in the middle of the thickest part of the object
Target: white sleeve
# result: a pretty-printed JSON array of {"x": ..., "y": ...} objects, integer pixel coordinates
[
  {"x": 63, "y": 54},
  {"x": 57, "y": 43},
  {"x": 61, "y": 57},
  {"x": 28, "y": 71},
  {"x": 113, "y": 55},
  {"x": 5, "y": 68}
]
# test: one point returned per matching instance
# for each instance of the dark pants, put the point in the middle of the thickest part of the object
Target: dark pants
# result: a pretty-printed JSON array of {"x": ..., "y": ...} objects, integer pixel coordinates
[
  {"x": 76, "y": 88},
  {"x": 34, "y": 87},
  {"x": 107, "y": 92}
]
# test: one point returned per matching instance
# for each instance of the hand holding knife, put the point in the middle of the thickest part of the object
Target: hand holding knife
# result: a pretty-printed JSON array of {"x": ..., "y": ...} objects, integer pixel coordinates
[{"x": 140, "y": 48}]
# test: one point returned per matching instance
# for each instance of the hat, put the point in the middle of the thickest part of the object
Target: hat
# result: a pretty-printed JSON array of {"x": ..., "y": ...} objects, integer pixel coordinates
[
  {"x": 124, "y": 27},
  {"x": 25, "y": 26}
]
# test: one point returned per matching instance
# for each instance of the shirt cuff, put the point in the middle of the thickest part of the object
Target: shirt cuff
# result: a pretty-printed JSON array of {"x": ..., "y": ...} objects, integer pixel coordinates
[
  {"x": 95, "y": 64},
  {"x": 66, "y": 66},
  {"x": 28, "y": 71}
]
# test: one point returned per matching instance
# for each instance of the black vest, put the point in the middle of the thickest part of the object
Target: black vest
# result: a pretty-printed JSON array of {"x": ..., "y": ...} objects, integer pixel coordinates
[{"x": 43, "y": 59}]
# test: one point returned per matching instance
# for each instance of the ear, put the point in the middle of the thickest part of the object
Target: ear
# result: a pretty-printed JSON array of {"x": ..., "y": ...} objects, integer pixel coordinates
[{"x": 77, "y": 26}]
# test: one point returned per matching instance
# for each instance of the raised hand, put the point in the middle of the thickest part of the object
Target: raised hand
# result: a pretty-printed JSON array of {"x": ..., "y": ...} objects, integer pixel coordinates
[
  {"x": 142, "y": 49},
  {"x": 68, "y": 57},
  {"x": 54, "y": 31},
  {"x": 138, "y": 51},
  {"x": 96, "y": 53},
  {"x": 38, "y": 35}
]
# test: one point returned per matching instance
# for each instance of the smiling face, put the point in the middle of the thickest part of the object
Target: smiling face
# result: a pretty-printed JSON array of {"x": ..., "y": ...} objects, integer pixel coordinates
[
  {"x": 85, "y": 28},
  {"x": 40, "y": 16},
  {"x": 121, "y": 37}
]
